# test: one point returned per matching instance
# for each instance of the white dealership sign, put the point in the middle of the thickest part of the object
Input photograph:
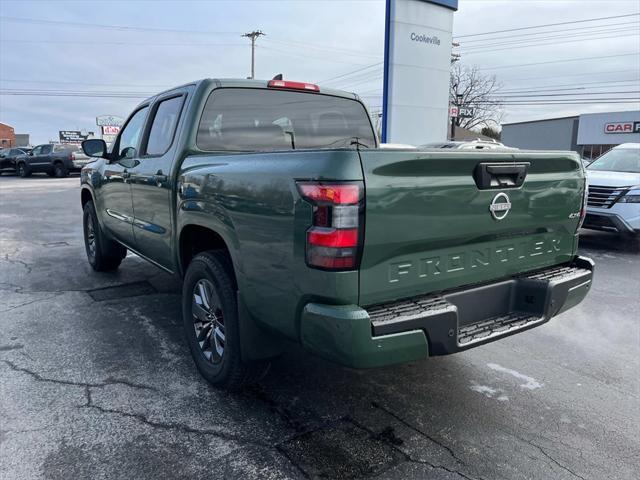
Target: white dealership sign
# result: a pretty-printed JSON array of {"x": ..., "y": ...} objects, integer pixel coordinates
[{"x": 416, "y": 70}]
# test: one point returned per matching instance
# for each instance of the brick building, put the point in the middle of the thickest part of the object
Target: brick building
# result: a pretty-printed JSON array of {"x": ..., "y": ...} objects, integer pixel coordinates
[{"x": 7, "y": 136}]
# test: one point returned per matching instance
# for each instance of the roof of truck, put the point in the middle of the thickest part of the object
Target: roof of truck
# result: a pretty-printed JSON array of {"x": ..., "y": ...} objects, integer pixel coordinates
[{"x": 248, "y": 83}]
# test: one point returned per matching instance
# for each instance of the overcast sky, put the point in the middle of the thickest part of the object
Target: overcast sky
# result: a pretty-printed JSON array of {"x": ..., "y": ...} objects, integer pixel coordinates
[{"x": 68, "y": 45}]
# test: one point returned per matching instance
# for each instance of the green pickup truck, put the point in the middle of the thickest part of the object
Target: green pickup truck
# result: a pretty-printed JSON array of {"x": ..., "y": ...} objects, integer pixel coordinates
[{"x": 287, "y": 221}]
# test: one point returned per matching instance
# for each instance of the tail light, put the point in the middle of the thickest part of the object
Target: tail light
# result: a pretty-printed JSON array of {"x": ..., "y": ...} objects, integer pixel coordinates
[
  {"x": 583, "y": 209},
  {"x": 72, "y": 156},
  {"x": 335, "y": 238}
]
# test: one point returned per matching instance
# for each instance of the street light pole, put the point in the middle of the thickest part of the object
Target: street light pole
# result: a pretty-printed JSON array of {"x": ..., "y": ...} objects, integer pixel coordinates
[{"x": 253, "y": 35}]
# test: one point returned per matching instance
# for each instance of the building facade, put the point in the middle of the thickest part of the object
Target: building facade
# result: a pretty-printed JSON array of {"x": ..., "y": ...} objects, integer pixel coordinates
[
  {"x": 589, "y": 134},
  {"x": 7, "y": 136}
]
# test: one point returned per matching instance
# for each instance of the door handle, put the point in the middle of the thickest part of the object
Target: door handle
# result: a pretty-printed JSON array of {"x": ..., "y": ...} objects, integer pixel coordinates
[{"x": 159, "y": 178}]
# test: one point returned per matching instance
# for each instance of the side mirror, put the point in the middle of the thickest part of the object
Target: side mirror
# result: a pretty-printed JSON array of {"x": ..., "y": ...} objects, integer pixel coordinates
[{"x": 95, "y": 147}]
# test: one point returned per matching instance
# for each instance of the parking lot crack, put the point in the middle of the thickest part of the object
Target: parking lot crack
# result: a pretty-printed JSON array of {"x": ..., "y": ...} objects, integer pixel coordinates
[
  {"x": 26, "y": 265},
  {"x": 387, "y": 435},
  {"x": 553, "y": 460},
  {"x": 169, "y": 426},
  {"x": 109, "y": 381},
  {"x": 418, "y": 431},
  {"x": 290, "y": 418},
  {"x": 8, "y": 348},
  {"x": 546, "y": 455}
]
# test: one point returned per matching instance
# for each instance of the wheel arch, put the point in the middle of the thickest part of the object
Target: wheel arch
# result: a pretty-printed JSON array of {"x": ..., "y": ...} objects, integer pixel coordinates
[
  {"x": 195, "y": 238},
  {"x": 86, "y": 195}
]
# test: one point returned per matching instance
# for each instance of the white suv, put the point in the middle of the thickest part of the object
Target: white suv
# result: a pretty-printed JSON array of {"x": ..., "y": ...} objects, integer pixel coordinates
[{"x": 614, "y": 191}]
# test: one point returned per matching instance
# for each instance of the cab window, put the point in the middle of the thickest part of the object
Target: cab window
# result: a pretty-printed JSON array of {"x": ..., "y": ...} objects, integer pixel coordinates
[
  {"x": 130, "y": 135},
  {"x": 164, "y": 126}
]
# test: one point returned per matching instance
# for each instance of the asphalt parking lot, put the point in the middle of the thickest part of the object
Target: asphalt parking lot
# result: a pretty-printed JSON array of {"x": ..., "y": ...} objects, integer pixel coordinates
[{"x": 97, "y": 382}]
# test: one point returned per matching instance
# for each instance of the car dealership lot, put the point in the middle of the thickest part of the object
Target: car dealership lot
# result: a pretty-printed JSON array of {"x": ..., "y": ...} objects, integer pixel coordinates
[{"x": 96, "y": 380}]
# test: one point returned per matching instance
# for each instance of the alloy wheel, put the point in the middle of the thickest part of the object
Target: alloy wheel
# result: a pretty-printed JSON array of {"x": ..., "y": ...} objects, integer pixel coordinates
[
  {"x": 91, "y": 238},
  {"x": 208, "y": 321}
]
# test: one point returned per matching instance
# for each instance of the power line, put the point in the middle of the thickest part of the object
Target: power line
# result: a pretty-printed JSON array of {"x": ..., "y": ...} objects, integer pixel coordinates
[
  {"x": 522, "y": 95},
  {"x": 581, "y": 29},
  {"x": 323, "y": 48},
  {"x": 126, "y": 43},
  {"x": 306, "y": 55},
  {"x": 547, "y": 39},
  {"x": 562, "y": 61},
  {"x": 572, "y": 85},
  {"x": 565, "y": 102},
  {"x": 73, "y": 94},
  {"x": 111, "y": 27},
  {"x": 580, "y": 74},
  {"x": 518, "y": 47},
  {"x": 546, "y": 25},
  {"x": 351, "y": 72},
  {"x": 130, "y": 85},
  {"x": 359, "y": 78}
]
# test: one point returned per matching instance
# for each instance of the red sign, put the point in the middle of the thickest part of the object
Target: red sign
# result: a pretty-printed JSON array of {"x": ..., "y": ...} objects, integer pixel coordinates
[
  {"x": 453, "y": 112},
  {"x": 622, "y": 127},
  {"x": 110, "y": 130}
]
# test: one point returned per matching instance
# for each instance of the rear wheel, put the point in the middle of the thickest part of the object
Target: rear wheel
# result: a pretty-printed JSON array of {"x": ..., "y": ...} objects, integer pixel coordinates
[
  {"x": 59, "y": 170},
  {"x": 23, "y": 170},
  {"x": 103, "y": 254},
  {"x": 210, "y": 318}
]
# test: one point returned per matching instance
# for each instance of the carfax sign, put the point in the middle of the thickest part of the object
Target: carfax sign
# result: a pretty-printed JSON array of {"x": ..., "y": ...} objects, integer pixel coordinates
[{"x": 417, "y": 63}]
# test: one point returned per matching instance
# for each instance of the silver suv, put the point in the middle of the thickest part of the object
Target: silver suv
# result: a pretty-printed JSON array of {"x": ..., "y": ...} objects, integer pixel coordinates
[{"x": 614, "y": 191}]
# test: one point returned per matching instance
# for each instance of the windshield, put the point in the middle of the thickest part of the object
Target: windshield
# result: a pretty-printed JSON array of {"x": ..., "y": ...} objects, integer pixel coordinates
[
  {"x": 242, "y": 119},
  {"x": 618, "y": 160}
]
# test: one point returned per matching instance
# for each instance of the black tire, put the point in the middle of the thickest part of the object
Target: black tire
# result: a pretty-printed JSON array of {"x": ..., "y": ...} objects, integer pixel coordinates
[
  {"x": 226, "y": 370},
  {"x": 23, "y": 170},
  {"x": 103, "y": 254},
  {"x": 59, "y": 170}
]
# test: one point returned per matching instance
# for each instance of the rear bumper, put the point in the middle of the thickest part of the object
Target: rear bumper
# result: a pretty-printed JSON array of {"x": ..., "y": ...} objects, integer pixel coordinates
[{"x": 442, "y": 324}]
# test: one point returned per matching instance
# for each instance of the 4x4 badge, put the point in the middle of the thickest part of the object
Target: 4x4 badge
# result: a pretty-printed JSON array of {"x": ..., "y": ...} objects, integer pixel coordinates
[{"x": 500, "y": 206}]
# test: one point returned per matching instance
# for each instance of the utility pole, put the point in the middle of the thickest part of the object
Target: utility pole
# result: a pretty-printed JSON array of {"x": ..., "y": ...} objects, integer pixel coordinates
[{"x": 253, "y": 35}]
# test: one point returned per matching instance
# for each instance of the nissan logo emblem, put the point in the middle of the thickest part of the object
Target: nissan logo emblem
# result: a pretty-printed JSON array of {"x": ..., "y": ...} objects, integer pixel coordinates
[{"x": 500, "y": 206}]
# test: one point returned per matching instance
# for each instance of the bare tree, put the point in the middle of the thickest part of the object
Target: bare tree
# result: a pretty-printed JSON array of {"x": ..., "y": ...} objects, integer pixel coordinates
[{"x": 471, "y": 88}]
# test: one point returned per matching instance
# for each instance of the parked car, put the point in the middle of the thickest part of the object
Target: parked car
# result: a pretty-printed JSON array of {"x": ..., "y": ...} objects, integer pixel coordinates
[
  {"x": 613, "y": 204},
  {"x": 56, "y": 160},
  {"x": 256, "y": 194},
  {"x": 8, "y": 158},
  {"x": 477, "y": 144}
]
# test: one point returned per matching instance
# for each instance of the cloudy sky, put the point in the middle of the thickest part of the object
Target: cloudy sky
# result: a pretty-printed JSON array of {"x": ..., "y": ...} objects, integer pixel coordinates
[{"x": 136, "y": 48}]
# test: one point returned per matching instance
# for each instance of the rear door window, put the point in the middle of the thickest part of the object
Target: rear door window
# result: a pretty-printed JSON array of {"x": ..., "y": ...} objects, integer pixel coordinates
[
  {"x": 164, "y": 126},
  {"x": 241, "y": 119}
]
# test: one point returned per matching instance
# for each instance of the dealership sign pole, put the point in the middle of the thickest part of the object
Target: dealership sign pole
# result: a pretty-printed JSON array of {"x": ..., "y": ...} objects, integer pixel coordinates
[{"x": 417, "y": 60}]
